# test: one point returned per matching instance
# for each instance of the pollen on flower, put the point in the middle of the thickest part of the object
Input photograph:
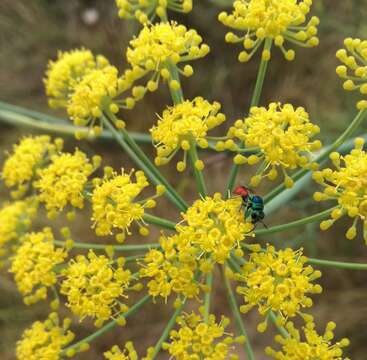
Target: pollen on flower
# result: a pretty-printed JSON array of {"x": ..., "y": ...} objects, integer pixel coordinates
[
  {"x": 283, "y": 135},
  {"x": 114, "y": 204},
  {"x": 304, "y": 345},
  {"x": 278, "y": 281},
  {"x": 354, "y": 68},
  {"x": 345, "y": 184},
  {"x": 33, "y": 265},
  {"x": 181, "y": 124},
  {"x": 155, "y": 51},
  {"x": 67, "y": 71},
  {"x": 93, "y": 284},
  {"x": 128, "y": 353},
  {"x": 45, "y": 340},
  {"x": 278, "y": 20},
  {"x": 144, "y": 11},
  {"x": 21, "y": 165},
  {"x": 62, "y": 182},
  {"x": 197, "y": 339}
]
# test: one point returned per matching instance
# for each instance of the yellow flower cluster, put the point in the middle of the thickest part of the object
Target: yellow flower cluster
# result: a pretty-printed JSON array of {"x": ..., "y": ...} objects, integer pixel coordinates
[
  {"x": 313, "y": 346},
  {"x": 146, "y": 10},
  {"x": 347, "y": 185},
  {"x": 278, "y": 281},
  {"x": 184, "y": 125},
  {"x": 20, "y": 167},
  {"x": 276, "y": 20},
  {"x": 197, "y": 339},
  {"x": 354, "y": 59},
  {"x": 93, "y": 95},
  {"x": 93, "y": 285},
  {"x": 114, "y": 205},
  {"x": 33, "y": 265},
  {"x": 63, "y": 74},
  {"x": 156, "y": 50},
  {"x": 62, "y": 182},
  {"x": 45, "y": 340},
  {"x": 282, "y": 134},
  {"x": 128, "y": 353}
]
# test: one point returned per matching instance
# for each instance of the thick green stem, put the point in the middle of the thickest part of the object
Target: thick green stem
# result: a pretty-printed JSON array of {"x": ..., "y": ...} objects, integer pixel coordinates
[
  {"x": 208, "y": 294},
  {"x": 81, "y": 245},
  {"x": 337, "y": 264},
  {"x": 155, "y": 220},
  {"x": 144, "y": 163},
  {"x": 324, "y": 153},
  {"x": 237, "y": 316},
  {"x": 255, "y": 100},
  {"x": 293, "y": 224},
  {"x": 109, "y": 326}
]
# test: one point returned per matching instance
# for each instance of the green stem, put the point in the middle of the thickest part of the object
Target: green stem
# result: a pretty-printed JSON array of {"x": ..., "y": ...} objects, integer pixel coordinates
[
  {"x": 171, "y": 323},
  {"x": 109, "y": 326},
  {"x": 81, "y": 245},
  {"x": 293, "y": 224},
  {"x": 145, "y": 165},
  {"x": 237, "y": 315},
  {"x": 254, "y": 102},
  {"x": 155, "y": 220},
  {"x": 199, "y": 177},
  {"x": 281, "y": 329},
  {"x": 207, "y": 297},
  {"x": 324, "y": 153},
  {"x": 337, "y": 264}
]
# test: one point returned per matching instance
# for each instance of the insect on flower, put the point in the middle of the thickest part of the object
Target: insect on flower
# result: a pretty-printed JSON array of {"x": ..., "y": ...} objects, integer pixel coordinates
[{"x": 253, "y": 204}]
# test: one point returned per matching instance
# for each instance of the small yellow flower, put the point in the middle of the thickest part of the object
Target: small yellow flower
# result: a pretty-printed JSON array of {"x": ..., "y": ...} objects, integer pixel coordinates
[
  {"x": 67, "y": 71},
  {"x": 114, "y": 204},
  {"x": 156, "y": 50},
  {"x": 20, "y": 166},
  {"x": 347, "y": 185},
  {"x": 183, "y": 123},
  {"x": 282, "y": 134},
  {"x": 197, "y": 339},
  {"x": 277, "y": 20},
  {"x": 354, "y": 68},
  {"x": 278, "y": 281},
  {"x": 145, "y": 10},
  {"x": 128, "y": 353},
  {"x": 45, "y": 340},
  {"x": 214, "y": 227},
  {"x": 62, "y": 182},
  {"x": 171, "y": 270},
  {"x": 310, "y": 346},
  {"x": 93, "y": 285},
  {"x": 33, "y": 265}
]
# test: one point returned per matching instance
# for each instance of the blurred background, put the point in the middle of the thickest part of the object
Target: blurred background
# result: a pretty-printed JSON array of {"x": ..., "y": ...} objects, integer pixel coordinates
[{"x": 31, "y": 32}]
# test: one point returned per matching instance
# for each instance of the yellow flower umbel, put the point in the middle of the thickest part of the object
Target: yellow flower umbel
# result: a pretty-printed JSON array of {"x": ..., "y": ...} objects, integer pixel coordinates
[
  {"x": 146, "y": 10},
  {"x": 172, "y": 269},
  {"x": 214, "y": 227},
  {"x": 277, "y": 281},
  {"x": 67, "y": 71},
  {"x": 128, "y": 353},
  {"x": 182, "y": 126},
  {"x": 114, "y": 204},
  {"x": 310, "y": 346},
  {"x": 348, "y": 186},
  {"x": 354, "y": 68},
  {"x": 279, "y": 21},
  {"x": 21, "y": 165},
  {"x": 282, "y": 134},
  {"x": 93, "y": 285},
  {"x": 33, "y": 265},
  {"x": 197, "y": 339},
  {"x": 157, "y": 49},
  {"x": 63, "y": 181},
  {"x": 45, "y": 340}
]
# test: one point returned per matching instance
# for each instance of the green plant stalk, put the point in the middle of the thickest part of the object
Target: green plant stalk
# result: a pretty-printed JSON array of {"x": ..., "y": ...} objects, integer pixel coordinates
[
  {"x": 170, "y": 192},
  {"x": 281, "y": 329},
  {"x": 81, "y": 245},
  {"x": 163, "y": 223},
  {"x": 324, "y": 153},
  {"x": 171, "y": 323},
  {"x": 293, "y": 224},
  {"x": 237, "y": 316},
  {"x": 254, "y": 102},
  {"x": 108, "y": 326},
  {"x": 207, "y": 297},
  {"x": 337, "y": 264}
]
